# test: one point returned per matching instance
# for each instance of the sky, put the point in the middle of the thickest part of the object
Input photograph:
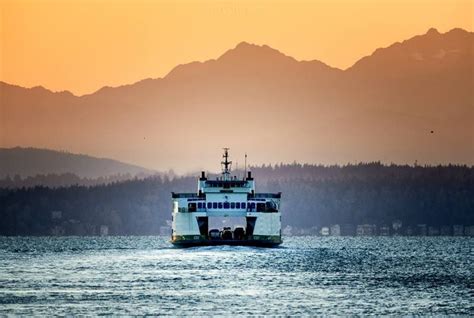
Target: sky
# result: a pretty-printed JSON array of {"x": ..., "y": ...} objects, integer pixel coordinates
[{"x": 83, "y": 45}]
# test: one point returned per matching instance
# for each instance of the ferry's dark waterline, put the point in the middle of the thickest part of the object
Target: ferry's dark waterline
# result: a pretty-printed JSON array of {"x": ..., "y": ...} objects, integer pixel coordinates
[{"x": 305, "y": 275}]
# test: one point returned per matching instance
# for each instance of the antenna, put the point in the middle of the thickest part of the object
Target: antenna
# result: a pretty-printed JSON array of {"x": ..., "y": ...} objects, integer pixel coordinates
[
  {"x": 245, "y": 171},
  {"x": 226, "y": 164}
]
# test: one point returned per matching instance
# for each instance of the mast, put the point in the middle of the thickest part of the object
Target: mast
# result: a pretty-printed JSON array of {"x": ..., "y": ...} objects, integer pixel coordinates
[
  {"x": 226, "y": 164},
  {"x": 245, "y": 168}
]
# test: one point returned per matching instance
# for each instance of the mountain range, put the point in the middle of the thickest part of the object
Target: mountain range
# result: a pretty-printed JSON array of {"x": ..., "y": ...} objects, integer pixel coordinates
[{"x": 410, "y": 102}]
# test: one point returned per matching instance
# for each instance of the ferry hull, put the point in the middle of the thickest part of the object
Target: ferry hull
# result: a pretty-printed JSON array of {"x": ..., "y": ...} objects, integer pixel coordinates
[{"x": 270, "y": 242}]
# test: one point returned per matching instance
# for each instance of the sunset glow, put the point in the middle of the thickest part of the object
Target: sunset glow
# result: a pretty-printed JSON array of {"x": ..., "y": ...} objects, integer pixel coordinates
[{"x": 82, "y": 46}]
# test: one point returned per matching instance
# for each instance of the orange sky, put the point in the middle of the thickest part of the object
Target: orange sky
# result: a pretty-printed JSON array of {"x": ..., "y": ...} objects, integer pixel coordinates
[{"x": 83, "y": 45}]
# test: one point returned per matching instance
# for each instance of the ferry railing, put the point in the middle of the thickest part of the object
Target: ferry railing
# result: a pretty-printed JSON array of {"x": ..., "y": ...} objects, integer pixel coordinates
[{"x": 254, "y": 209}]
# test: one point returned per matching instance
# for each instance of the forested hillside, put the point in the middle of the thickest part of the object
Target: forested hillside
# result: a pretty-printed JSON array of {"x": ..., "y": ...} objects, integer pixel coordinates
[
  {"x": 313, "y": 196},
  {"x": 29, "y": 162}
]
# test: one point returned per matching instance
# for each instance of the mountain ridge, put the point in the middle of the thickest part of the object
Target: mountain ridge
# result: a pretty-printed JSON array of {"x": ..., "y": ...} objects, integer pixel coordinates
[
  {"x": 384, "y": 108},
  {"x": 245, "y": 44}
]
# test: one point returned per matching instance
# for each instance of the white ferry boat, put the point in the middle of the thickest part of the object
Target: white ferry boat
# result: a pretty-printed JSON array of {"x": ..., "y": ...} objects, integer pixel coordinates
[{"x": 225, "y": 198}]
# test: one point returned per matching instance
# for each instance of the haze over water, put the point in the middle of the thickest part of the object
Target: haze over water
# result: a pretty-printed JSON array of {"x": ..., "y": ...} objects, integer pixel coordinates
[{"x": 307, "y": 275}]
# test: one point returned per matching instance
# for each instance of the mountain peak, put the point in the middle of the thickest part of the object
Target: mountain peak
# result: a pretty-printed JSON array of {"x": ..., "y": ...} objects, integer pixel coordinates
[
  {"x": 432, "y": 31},
  {"x": 243, "y": 45},
  {"x": 253, "y": 51},
  {"x": 459, "y": 31},
  {"x": 35, "y": 89},
  {"x": 252, "y": 46},
  {"x": 43, "y": 90}
]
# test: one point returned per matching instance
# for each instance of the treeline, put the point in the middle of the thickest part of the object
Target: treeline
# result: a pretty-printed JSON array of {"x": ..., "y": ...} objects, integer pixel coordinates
[
  {"x": 53, "y": 180},
  {"x": 312, "y": 196}
]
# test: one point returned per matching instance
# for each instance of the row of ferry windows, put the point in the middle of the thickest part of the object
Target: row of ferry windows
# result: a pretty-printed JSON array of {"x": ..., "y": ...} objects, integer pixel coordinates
[{"x": 225, "y": 205}]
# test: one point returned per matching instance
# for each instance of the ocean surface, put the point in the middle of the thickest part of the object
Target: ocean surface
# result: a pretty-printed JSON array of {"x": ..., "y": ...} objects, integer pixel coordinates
[{"x": 305, "y": 276}]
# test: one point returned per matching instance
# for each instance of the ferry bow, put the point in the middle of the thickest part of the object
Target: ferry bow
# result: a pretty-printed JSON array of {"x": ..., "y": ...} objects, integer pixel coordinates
[{"x": 226, "y": 196}]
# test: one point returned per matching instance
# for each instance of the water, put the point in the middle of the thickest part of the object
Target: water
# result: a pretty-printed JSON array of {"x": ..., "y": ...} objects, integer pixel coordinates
[{"x": 146, "y": 275}]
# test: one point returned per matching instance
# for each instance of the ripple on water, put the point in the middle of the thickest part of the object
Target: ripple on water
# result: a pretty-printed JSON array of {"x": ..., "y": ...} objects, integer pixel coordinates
[{"x": 146, "y": 275}]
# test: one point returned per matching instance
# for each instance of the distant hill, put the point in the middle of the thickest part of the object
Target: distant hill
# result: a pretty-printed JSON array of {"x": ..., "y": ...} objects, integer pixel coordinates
[
  {"x": 28, "y": 162},
  {"x": 411, "y": 101}
]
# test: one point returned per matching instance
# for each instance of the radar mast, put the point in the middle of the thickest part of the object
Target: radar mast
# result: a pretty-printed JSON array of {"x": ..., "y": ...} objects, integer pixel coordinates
[{"x": 226, "y": 164}]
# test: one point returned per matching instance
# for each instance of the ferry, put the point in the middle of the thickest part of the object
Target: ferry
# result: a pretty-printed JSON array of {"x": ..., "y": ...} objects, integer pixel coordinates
[{"x": 224, "y": 198}]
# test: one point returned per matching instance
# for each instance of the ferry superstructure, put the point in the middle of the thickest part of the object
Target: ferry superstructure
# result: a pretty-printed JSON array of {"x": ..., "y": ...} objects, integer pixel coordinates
[{"x": 226, "y": 197}]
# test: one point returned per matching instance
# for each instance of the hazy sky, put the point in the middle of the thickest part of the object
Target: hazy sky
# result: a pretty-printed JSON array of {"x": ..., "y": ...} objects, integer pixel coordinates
[{"x": 83, "y": 45}]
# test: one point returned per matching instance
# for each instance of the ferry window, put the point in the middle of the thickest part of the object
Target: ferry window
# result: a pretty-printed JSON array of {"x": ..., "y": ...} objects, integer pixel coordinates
[
  {"x": 226, "y": 205},
  {"x": 232, "y": 205},
  {"x": 251, "y": 206},
  {"x": 214, "y": 205},
  {"x": 237, "y": 205},
  {"x": 271, "y": 207},
  {"x": 261, "y": 207},
  {"x": 219, "y": 205},
  {"x": 209, "y": 205},
  {"x": 199, "y": 205},
  {"x": 243, "y": 205},
  {"x": 192, "y": 207}
]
